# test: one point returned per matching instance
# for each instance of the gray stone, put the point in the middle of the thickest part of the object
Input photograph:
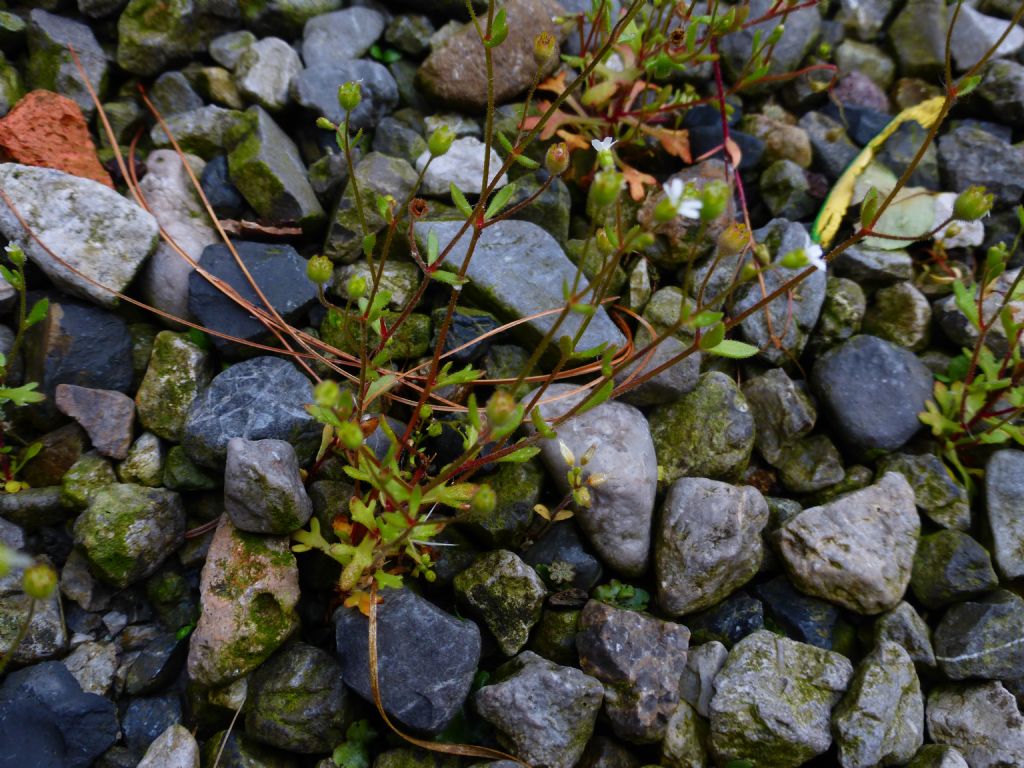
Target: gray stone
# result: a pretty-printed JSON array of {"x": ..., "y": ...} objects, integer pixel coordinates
[
  {"x": 529, "y": 685},
  {"x": 263, "y": 491},
  {"x": 151, "y": 34},
  {"x": 801, "y": 30},
  {"x": 904, "y": 626},
  {"x": 506, "y": 595},
  {"x": 937, "y": 756},
  {"x": 285, "y": 17},
  {"x": 426, "y": 658},
  {"x": 173, "y": 93},
  {"x": 975, "y": 33},
  {"x": 298, "y": 702},
  {"x": 1002, "y": 89},
  {"x": 841, "y": 314},
  {"x": 697, "y": 685},
  {"x": 410, "y": 33},
  {"x": 1004, "y": 489},
  {"x": 88, "y": 226},
  {"x": 264, "y": 72},
  {"x": 970, "y": 155},
  {"x": 46, "y": 635},
  {"x": 639, "y": 660},
  {"x": 227, "y": 49},
  {"x": 144, "y": 464},
  {"x": 685, "y": 736},
  {"x": 773, "y": 699},
  {"x": 982, "y": 638},
  {"x": 833, "y": 150},
  {"x": 178, "y": 371},
  {"x": 982, "y": 721},
  {"x": 936, "y": 494},
  {"x": 51, "y": 66},
  {"x": 880, "y": 720},
  {"x": 106, "y": 416},
  {"x": 618, "y": 522},
  {"x": 316, "y": 89},
  {"x": 666, "y": 386},
  {"x": 810, "y": 464},
  {"x": 793, "y": 314},
  {"x": 267, "y": 169},
  {"x": 708, "y": 432},
  {"x": 872, "y": 391},
  {"x": 868, "y": 59},
  {"x": 900, "y": 314},
  {"x": 334, "y": 38},
  {"x": 11, "y": 86},
  {"x": 204, "y": 132},
  {"x": 950, "y": 566},
  {"x": 247, "y": 595},
  {"x": 462, "y": 165},
  {"x": 857, "y": 550},
  {"x": 498, "y": 275},
  {"x": 174, "y": 748},
  {"x": 786, "y": 191},
  {"x": 257, "y": 399},
  {"x": 93, "y": 665},
  {"x": 127, "y": 531},
  {"x": 864, "y": 18},
  {"x": 708, "y": 543},
  {"x": 782, "y": 412},
  {"x": 919, "y": 36}
]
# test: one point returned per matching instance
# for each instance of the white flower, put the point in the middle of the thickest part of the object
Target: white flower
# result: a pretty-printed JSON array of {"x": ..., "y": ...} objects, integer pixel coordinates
[
  {"x": 815, "y": 257},
  {"x": 684, "y": 206},
  {"x": 603, "y": 145}
]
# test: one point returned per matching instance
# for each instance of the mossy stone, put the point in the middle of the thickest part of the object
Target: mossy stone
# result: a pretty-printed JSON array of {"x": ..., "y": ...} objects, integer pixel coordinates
[
  {"x": 144, "y": 463},
  {"x": 414, "y": 758},
  {"x": 86, "y": 476},
  {"x": 708, "y": 432},
  {"x": 206, "y": 132},
  {"x": 901, "y": 314},
  {"x": 841, "y": 314},
  {"x": 231, "y": 749},
  {"x": 554, "y": 637},
  {"x": 11, "y": 87},
  {"x": 936, "y": 493},
  {"x": 410, "y": 339},
  {"x": 178, "y": 369},
  {"x": 182, "y": 474},
  {"x": 152, "y": 33},
  {"x": 950, "y": 566},
  {"x": 517, "y": 486}
]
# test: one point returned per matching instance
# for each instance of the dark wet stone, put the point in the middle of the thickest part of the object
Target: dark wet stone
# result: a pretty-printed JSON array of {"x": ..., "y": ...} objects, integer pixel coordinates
[
  {"x": 804, "y": 618},
  {"x": 562, "y": 543},
  {"x": 157, "y": 665},
  {"x": 728, "y": 622},
  {"x": 950, "y": 566},
  {"x": 223, "y": 195}
]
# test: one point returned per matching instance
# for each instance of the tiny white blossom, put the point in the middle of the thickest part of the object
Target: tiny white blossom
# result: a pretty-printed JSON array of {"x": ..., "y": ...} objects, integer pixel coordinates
[
  {"x": 684, "y": 206},
  {"x": 603, "y": 145},
  {"x": 815, "y": 257}
]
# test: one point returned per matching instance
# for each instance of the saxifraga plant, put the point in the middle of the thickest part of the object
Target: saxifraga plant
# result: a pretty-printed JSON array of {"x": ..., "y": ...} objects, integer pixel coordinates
[{"x": 401, "y": 501}]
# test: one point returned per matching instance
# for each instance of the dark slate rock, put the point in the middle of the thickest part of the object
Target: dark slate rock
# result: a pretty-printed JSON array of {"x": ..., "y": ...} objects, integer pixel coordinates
[
  {"x": 298, "y": 701},
  {"x": 873, "y": 392},
  {"x": 157, "y": 665},
  {"x": 950, "y": 566},
  {"x": 804, "y": 618},
  {"x": 316, "y": 89},
  {"x": 466, "y": 324},
  {"x": 969, "y": 155},
  {"x": 224, "y": 197},
  {"x": 426, "y": 658},
  {"x": 1004, "y": 488},
  {"x": 705, "y": 138},
  {"x": 873, "y": 266},
  {"x": 833, "y": 150},
  {"x": 172, "y": 93},
  {"x": 146, "y": 718},
  {"x": 862, "y": 123},
  {"x": 728, "y": 622},
  {"x": 257, "y": 399},
  {"x": 336, "y": 38},
  {"x": 395, "y": 138},
  {"x": 46, "y": 721},
  {"x": 936, "y": 494},
  {"x": 1003, "y": 90},
  {"x": 563, "y": 543},
  {"x": 639, "y": 659},
  {"x": 899, "y": 150},
  {"x": 278, "y": 270},
  {"x": 263, "y": 491},
  {"x": 982, "y": 638}
]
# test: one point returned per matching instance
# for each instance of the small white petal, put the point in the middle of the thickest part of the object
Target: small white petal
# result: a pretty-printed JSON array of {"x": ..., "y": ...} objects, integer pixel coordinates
[
  {"x": 674, "y": 191},
  {"x": 690, "y": 208},
  {"x": 603, "y": 145}
]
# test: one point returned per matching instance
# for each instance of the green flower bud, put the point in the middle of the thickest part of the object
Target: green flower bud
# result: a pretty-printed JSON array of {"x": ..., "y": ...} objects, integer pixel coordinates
[
  {"x": 972, "y": 204},
  {"x": 15, "y": 254},
  {"x": 500, "y": 407},
  {"x": 664, "y": 211},
  {"x": 484, "y": 500},
  {"x": 733, "y": 239},
  {"x": 327, "y": 393},
  {"x": 320, "y": 270},
  {"x": 327, "y": 125},
  {"x": 544, "y": 48},
  {"x": 556, "y": 161},
  {"x": 714, "y": 198},
  {"x": 604, "y": 243},
  {"x": 604, "y": 191},
  {"x": 39, "y": 581},
  {"x": 356, "y": 287},
  {"x": 440, "y": 141},
  {"x": 349, "y": 95},
  {"x": 350, "y": 435}
]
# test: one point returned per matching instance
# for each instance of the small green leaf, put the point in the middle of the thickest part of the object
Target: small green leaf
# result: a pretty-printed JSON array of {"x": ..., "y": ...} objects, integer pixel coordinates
[
  {"x": 432, "y": 247},
  {"x": 599, "y": 396},
  {"x": 712, "y": 337},
  {"x": 967, "y": 84},
  {"x": 527, "y": 162},
  {"x": 520, "y": 455},
  {"x": 388, "y": 580},
  {"x": 500, "y": 200},
  {"x": 379, "y": 387},
  {"x": 37, "y": 313},
  {"x": 705, "y": 318},
  {"x": 734, "y": 349},
  {"x": 499, "y": 30},
  {"x": 542, "y": 427},
  {"x": 448, "y": 278},
  {"x": 369, "y": 243},
  {"x": 460, "y": 200}
]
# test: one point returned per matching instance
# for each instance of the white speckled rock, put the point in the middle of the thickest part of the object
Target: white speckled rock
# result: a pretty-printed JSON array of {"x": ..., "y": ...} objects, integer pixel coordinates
[{"x": 174, "y": 748}]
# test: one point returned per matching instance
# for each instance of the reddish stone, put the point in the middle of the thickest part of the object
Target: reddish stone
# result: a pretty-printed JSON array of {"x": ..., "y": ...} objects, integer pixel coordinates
[
  {"x": 48, "y": 130},
  {"x": 105, "y": 415}
]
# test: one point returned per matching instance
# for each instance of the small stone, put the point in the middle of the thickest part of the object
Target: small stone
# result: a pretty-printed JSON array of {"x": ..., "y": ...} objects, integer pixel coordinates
[
  {"x": 151, "y": 33},
  {"x": 462, "y": 165},
  {"x": 950, "y": 566},
  {"x": 263, "y": 491},
  {"x": 981, "y": 721},
  {"x": 730, "y": 621},
  {"x": 833, "y": 150},
  {"x": 51, "y": 66},
  {"x": 144, "y": 719},
  {"x": 144, "y": 464},
  {"x": 157, "y": 664},
  {"x": 48, "y": 130},
  {"x": 982, "y": 638},
  {"x": 970, "y": 155},
  {"x": 708, "y": 543},
  {"x": 334, "y": 38},
  {"x": 204, "y": 132},
  {"x": 173, "y": 93},
  {"x": 562, "y": 543},
  {"x": 936, "y": 494},
  {"x": 298, "y": 702},
  {"x": 783, "y": 141},
  {"x": 638, "y": 660},
  {"x": 856, "y": 551},
  {"x": 685, "y": 737},
  {"x": 773, "y": 699},
  {"x": 919, "y": 31},
  {"x": 127, "y": 531},
  {"x": 554, "y": 637},
  {"x": 527, "y": 685},
  {"x": 786, "y": 191},
  {"x": 667, "y": 386},
  {"x": 410, "y": 33},
  {"x": 316, "y": 89},
  {"x": 841, "y": 314},
  {"x": 697, "y": 685},
  {"x": 873, "y": 392},
  {"x": 426, "y": 658},
  {"x": 900, "y": 314},
  {"x": 864, "y": 18},
  {"x": 904, "y": 626},
  {"x": 706, "y": 433},
  {"x": 105, "y": 415},
  {"x": 227, "y": 49},
  {"x": 803, "y": 618},
  {"x": 86, "y": 476},
  {"x": 94, "y": 666},
  {"x": 880, "y": 720},
  {"x": 264, "y": 72},
  {"x": 1004, "y": 488},
  {"x": 174, "y": 748},
  {"x": 178, "y": 370},
  {"x": 248, "y": 591},
  {"x": 261, "y": 398},
  {"x": 618, "y": 520},
  {"x": 975, "y": 33},
  {"x": 223, "y": 196},
  {"x": 782, "y": 412},
  {"x": 1002, "y": 89},
  {"x": 937, "y": 756},
  {"x": 88, "y": 226},
  {"x": 801, "y": 31},
  {"x": 869, "y": 60}
]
